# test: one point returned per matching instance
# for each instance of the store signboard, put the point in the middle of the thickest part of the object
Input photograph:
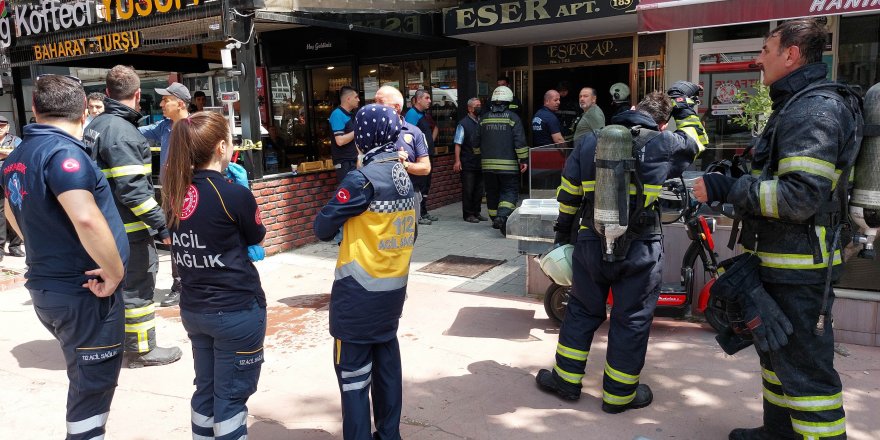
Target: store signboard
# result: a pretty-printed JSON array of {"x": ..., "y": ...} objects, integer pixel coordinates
[
  {"x": 497, "y": 15},
  {"x": 667, "y": 15},
  {"x": 582, "y": 51},
  {"x": 30, "y": 19},
  {"x": 107, "y": 43},
  {"x": 39, "y": 31}
]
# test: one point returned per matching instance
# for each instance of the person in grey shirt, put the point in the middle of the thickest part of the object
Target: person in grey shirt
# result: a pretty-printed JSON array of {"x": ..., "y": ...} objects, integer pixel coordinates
[{"x": 592, "y": 119}]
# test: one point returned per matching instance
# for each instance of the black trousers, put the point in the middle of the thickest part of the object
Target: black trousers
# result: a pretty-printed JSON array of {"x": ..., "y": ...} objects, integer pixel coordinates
[
  {"x": 802, "y": 391},
  {"x": 89, "y": 330},
  {"x": 636, "y": 286},
  {"x": 6, "y": 231},
  {"x": 471, "y": 193},
  {"x": 422, "y": 184},
  {"x": 364, "y": 371},
  {"x": 501, "y": 193},
  {"x": 344, "y": 167},
  {"x": 137, "y": 291}
]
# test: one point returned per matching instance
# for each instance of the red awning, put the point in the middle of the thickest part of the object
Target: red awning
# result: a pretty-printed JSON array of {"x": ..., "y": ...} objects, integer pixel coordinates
[{"x": 668, "y": 15}]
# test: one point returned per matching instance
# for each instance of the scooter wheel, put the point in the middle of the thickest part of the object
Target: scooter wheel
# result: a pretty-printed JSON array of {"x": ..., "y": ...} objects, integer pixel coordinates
[
  {"x": 555, "y": 302},
  {"x": 716, "y": 318}
]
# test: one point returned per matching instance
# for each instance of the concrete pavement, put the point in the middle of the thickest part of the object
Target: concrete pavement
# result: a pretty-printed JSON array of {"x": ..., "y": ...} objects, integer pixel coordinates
[{"x": 470, "y": 351}]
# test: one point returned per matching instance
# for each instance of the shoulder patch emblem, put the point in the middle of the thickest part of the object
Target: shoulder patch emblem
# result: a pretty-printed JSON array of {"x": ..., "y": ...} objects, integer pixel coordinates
[
  {"x": 401, "y": 179},
  {"x": 190, "y": 203},
  {"x": 408, "y": 138},
  {"x": 343, "y": 196},
  {"x": 70, "y": 165}
]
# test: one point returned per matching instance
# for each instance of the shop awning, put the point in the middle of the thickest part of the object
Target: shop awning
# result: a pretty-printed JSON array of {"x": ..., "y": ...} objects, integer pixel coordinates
[{"x": 669, "y": 15}]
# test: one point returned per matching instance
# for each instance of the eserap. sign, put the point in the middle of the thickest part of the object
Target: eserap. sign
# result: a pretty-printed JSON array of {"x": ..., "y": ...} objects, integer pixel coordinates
[
  {"x": 496, "y": 15},
  {"x": 46, "y": 16}
]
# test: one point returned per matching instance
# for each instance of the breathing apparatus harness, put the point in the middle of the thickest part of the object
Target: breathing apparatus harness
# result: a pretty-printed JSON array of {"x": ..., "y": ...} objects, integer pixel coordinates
[{"x": 641, "y": 217}]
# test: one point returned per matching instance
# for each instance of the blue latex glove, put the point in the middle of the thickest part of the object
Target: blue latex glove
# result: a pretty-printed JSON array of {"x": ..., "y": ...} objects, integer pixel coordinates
[
  {"x": 256, "y": 252},
  {"x": 238, "y": 174}
]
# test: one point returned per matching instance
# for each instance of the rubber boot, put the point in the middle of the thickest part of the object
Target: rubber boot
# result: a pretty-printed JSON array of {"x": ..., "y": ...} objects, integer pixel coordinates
[
  {"x": 155, "y": 357},
  {"x": 548, "y": 381},
  {"x": 643, "y": 398},
  {"x": 759, "y": 433}
]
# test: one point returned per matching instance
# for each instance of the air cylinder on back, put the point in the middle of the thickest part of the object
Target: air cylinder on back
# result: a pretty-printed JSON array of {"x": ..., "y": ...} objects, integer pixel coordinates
[
  {"x": 611, "y": 208},
  {"x": 864, "y": 206}
]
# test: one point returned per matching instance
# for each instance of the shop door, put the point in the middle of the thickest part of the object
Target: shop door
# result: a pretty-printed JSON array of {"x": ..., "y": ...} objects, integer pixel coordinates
[
  {"x": 600, "y": 78},
  {"x": 723, "y": 69}
]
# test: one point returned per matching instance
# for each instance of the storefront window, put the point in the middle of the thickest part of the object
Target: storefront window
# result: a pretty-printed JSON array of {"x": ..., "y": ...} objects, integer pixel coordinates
[
  {"x": 326, "y": 82},
  {"x": 391, "y": 74},
  {"x": 289, "y": 114},
  {"x": 416, "y": 77},
  {"x": 369, "y": 83},
  {"x": 444, "y": 99},
  {"x": 722, "y": 75},
  {"x": 858, "y": 51}
]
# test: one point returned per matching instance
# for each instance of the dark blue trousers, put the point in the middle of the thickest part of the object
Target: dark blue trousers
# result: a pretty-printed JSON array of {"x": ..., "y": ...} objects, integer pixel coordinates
[
  {"x": 228, "y": 354},
  {"x": 636, "y": 286},
  {"x": 803, "y": 396},
  {"x": 90, "y": 330},
  {"x": 358, "y": 366},
  {"x": 501, "y": 193}
]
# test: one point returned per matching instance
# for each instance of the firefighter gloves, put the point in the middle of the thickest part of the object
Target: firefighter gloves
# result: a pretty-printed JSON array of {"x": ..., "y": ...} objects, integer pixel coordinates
[
  {"x": 769, "y": 325},
  {"x": 741, "y": 283},
  {"x": 684, "y": 89}
]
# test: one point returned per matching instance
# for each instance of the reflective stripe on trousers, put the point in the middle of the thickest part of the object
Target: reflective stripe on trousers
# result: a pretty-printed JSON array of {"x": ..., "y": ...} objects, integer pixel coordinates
[{"x": 802, "y": 392}]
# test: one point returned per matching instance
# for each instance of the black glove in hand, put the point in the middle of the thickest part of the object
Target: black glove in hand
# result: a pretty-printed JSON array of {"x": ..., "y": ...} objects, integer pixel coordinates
[
  {"x": 741, "y": 283},
  {"x": 684, "y": 89},
  {"x": 769, "y": 325},
  {"x": 562, "y": 237}
]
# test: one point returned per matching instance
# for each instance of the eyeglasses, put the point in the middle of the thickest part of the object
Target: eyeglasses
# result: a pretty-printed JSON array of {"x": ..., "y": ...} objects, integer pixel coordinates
[{"x": 70, "y": 77}]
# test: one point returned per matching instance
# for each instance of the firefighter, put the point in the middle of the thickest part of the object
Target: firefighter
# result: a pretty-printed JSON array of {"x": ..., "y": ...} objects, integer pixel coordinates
[
  {"x": 633, "y": 269},
  {"x": 376, "y": 207},
  {"x": 789, "y": 208},
  {"x": 504, "y": 156},
  {"x": 62, "y": 206},
  {"x": 123, "y": 154}
]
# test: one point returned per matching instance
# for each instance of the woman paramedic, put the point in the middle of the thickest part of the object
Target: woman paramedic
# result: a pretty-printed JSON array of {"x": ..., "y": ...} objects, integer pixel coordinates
[{"x": 215, "y": 234}]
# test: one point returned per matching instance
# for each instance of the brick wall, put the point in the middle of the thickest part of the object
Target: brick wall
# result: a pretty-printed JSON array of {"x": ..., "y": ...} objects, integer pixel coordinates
[
  {"x": 445, "y": 183},
  {"x": 289, "y": 203}
]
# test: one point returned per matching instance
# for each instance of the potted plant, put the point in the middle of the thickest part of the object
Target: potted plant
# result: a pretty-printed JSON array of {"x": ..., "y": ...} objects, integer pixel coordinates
[{"x": 756, "y": 109}]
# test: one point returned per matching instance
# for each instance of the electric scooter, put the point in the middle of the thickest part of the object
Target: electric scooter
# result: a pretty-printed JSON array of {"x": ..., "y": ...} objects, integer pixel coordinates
[{"x": 677, "y": 297}]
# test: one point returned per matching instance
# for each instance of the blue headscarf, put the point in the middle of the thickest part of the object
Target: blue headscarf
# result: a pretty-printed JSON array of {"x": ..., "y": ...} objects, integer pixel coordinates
[{"x": 376, "y": 128}]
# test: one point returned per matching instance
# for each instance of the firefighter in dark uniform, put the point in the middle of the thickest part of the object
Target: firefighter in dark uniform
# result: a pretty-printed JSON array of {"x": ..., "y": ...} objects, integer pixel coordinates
[
  {"x": 790, "y": 208},
  {"x": 216, "y": 230},
  {"x": 62, "y": 206},
  {"x": 504, "y": 157},
  {"x": 123, "y": 154},
  {"x": 635, "y": 273},
  {"x": 376, "y": 206}
]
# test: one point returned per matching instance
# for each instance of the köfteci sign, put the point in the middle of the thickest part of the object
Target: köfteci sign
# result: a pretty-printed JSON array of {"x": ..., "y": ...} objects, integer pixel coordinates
[{"x": 46, "y": 16}]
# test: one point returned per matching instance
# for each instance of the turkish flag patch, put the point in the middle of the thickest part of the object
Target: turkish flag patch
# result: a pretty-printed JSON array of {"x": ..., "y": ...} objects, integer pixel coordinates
[
  {"x": 343, "y": 196},
  {"x": 70, "y": 165}
]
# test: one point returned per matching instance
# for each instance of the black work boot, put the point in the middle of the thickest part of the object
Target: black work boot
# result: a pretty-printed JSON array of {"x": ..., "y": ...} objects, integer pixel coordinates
[
  {"x": 548, "y": 381},
  {"x": 643, "y": 398},
  {"x": 759, "y": 433},
  {"x": 155, "y": 357}
]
